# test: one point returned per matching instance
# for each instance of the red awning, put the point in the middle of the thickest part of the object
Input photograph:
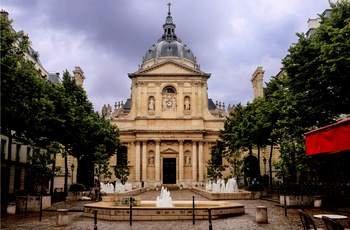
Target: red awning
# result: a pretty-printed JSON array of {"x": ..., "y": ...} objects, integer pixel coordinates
[{"x": 329, "y": 139}]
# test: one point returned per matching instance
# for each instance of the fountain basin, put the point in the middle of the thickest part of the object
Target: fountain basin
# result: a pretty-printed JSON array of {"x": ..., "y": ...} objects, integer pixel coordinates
[
  {"x": 147, "y": 210},
  {"x": 240, "y": 195}
]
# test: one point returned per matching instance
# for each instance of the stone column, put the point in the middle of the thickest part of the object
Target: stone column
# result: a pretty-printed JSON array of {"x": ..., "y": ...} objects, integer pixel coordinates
[
  {"x": 200, "y": 161},
  {"x": 144, "y": 161},
  {"x": 138, "y": 162},
  {"x": 157, "y": 161},
  {"x": 194, "y": 161},
  {"x": 181, "y": 160}
]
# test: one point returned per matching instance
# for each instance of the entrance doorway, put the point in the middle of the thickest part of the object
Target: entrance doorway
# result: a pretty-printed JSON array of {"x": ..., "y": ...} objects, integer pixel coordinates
[{"x": 169, "y": 170}]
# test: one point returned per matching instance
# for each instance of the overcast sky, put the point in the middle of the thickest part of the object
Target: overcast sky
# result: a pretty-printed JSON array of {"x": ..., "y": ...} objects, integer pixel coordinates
[{"x": 108, "y": 38}]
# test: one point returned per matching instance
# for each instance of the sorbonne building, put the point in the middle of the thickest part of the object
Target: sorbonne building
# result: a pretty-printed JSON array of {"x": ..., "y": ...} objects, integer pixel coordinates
[{"x": 169, "y": 124}]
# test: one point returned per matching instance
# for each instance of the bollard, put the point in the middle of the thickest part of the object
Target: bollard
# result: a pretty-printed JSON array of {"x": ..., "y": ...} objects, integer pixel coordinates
[
  {"x": 261, "y": 214},
  {"x": 62, "y": 217},
  {"x": 11, "y": 208},
  {"x": 95, "y": 219},
  {"x": 209, "y": 215},
  {"x": 193, "y": 217},
  {"x": 41, "y": 207}
]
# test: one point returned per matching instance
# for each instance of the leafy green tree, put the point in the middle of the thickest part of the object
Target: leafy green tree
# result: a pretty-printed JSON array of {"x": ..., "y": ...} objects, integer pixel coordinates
[
  {"x": 20, "y": 88},
  {"x": 38, "y": 170},
  {"x": 317, "y": 68},
  {"x": 215, "y": 166},
  {"x": 122, "y": 170}
]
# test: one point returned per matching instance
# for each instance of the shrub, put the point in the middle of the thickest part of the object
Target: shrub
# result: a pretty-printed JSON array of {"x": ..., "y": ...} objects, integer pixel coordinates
[
  {"x": 76, "y": 187},
  {"x": 255, "y": 187}
]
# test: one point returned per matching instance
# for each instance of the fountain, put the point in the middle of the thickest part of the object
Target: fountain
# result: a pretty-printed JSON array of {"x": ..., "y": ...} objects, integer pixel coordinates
[
  {"x": 220, "y": 190},
  {"x": 164, "y": 199},
  {"x": 119, "y": 187}
]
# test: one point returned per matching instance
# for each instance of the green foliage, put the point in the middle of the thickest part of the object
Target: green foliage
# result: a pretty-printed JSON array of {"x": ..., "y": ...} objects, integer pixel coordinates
[
  {"x": 122, "y": 170},
  {"x": 256, "y": 187},
  {"x": 59, "y": 112},
  {"x": 77, "y": 187},
  {"x": 215, "y": 167},
  {"x": 38, "y": 169}
]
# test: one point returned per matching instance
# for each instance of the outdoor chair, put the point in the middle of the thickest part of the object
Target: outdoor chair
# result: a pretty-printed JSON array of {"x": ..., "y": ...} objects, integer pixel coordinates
[
  {"x": 308, "y": 223},
  {"x": 332, "y": 224}
]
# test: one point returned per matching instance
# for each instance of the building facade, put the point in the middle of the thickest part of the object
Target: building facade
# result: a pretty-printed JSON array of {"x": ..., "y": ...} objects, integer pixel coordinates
[{"x": 169, "y": 124}]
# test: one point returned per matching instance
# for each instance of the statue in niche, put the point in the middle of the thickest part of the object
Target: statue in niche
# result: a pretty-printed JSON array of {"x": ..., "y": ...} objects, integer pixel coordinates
[
  {"x": 104, "y": 110},
  {"x": 187, "y": 159},
  {"x": 109, "y": 111},
  {"x": 187, "y": 103},
  {"x": 151, "y": 104},
  {"x": 151, "y": 159}
]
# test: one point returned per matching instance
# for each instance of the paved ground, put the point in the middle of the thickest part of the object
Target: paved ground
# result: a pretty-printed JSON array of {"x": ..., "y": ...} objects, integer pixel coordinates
[{"x": 276, "y": 217}]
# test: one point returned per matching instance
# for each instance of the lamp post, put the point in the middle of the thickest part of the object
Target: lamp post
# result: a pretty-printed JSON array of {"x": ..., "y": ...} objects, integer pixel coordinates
[
  {"x": 72, "y": 167},
  {"x": 264, "y": 160}
]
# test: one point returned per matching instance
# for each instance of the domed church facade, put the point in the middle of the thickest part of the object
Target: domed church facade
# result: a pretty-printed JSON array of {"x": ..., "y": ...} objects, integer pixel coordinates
[{"x": 169, "y": 125}]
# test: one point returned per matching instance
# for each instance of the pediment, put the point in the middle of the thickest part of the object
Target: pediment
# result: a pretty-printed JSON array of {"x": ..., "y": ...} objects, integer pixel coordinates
[
  {"x": 169, "y": 67},
  {"x": 169, "y": 151}
]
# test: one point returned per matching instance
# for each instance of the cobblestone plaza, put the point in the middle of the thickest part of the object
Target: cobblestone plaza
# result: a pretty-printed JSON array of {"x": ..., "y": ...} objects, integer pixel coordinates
[{"x": 76, "y": 220}]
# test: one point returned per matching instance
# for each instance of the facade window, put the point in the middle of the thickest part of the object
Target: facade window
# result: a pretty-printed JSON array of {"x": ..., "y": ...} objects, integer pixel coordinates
[{"x": 3, "y": 145}]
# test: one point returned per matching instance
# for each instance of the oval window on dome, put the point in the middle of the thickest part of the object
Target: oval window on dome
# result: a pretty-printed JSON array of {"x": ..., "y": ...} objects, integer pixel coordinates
[{"x": 169, "y": 89}]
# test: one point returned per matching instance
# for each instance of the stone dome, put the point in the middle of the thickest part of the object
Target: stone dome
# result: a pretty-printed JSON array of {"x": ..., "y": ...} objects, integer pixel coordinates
[{"x": 169, "y": 45}]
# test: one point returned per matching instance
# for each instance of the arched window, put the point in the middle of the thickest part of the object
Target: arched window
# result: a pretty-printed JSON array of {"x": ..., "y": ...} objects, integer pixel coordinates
[{"x": 169, "y": 89}]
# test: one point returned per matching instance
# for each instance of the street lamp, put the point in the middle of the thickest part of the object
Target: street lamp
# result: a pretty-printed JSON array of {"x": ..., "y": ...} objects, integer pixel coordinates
[
  {"x": 264, "y": 160},
  {"x": 72, "y": 167}
]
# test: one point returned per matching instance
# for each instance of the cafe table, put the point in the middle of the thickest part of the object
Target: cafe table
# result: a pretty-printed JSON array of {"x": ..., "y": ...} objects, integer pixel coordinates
[{"x": 331, "y": 216}]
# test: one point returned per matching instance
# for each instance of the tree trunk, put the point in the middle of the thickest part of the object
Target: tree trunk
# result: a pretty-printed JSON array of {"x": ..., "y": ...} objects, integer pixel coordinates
[
  {"x": 259, "y": 160},
  {"x": 5, "y": 190},
  {"x": 270, "y": 166},
  {"x": 53, "y": 171}
]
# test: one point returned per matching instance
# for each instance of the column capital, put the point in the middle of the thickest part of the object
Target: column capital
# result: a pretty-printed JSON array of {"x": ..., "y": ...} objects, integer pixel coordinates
[
  {"x": 181, "y": 141},
  {"x": 157, "y": 140}
]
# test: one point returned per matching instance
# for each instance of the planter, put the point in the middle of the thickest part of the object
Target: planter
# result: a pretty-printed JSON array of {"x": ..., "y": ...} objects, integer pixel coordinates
[{"x": 296, "y": 200}]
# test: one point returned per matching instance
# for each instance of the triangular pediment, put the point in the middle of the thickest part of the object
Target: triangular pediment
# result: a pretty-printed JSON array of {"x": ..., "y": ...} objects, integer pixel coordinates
[
  {"x": 169, "y": 67},
  {"x": 169, "y": 151}
]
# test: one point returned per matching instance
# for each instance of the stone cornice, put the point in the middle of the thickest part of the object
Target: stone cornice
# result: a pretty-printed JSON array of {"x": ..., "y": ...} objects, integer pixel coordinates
[
  {"x": 134, "y": 132},
  {"x": 144, "y": 71}
]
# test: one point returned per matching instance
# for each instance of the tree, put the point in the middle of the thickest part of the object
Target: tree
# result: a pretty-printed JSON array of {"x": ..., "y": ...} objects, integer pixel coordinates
[
  {"x": 38, "y": 170},
  {"x": 215, "y": 167},
  {"x": 21, "y": 89},
  {"x": 318, "y": 68},
  {"x": 121, "y": 169}
]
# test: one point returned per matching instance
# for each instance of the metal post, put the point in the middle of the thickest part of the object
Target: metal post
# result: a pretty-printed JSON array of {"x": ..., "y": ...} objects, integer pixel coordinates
[
  {"x": 285, "y": 198},
  {"x": 193, "y": 217},
  {"x": 95, "y": 219},
  {"x": 26, "y": 209},
  {"x": 210, "y": 225},
  {"x": 130, "y": 211},
  {"x": 41, "y": 207}
]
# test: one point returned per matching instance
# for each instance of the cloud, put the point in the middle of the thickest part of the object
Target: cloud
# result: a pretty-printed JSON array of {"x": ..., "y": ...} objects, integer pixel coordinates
[{"x": 107, "y": 39}]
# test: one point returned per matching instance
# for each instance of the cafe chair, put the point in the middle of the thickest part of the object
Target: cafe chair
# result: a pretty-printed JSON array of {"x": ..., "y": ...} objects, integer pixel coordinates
[
  {"x": 332, "y": 224},
  {"x": 308, "y": 223}
]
